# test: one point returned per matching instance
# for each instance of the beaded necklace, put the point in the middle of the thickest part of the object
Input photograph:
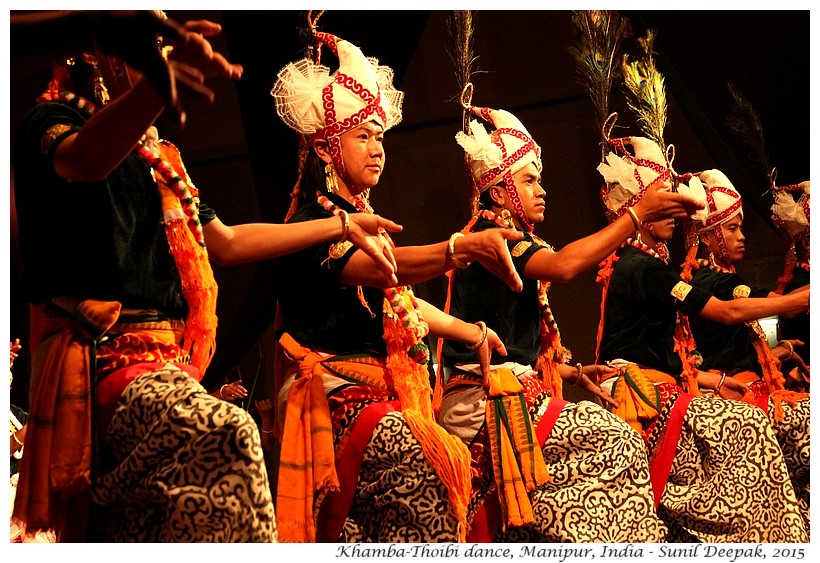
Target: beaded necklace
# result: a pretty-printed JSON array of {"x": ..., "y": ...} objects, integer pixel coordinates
[
  {"x": 704, "y": 263},
  {"x": 661, "y": 252},
  {"x": 158, "y": 164},
  {"x": 401, "y": 299},
  {"x": 504, "y": 222}
]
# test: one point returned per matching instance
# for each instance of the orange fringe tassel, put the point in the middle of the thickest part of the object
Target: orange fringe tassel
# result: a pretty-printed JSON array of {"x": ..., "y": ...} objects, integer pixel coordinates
[
  {"x": 198, "y": 284},
  {"x": 689, "y": 264},
  {"x": 605, "y": 270},
  {"x": 785, "y": 278},
  {"x": 447, "y": 454},
  {"x": 774, "y": 378},
  {"x": 684, "y": 343}
]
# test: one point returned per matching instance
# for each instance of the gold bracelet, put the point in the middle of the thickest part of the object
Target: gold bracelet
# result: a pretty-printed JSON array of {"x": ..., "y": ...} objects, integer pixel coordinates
[
  {"x": 451, "y": 251},
  {"x": 635, "y": 219},
  {"x": 789, "y": 345},
  {"x": 720, "y": 383},
  {"x": 483, "y": 326},
  {"x": 221, "y": 396},
  {"x": 345, "y": 225},
  {"x": 266, "y": 431},
  {"x": 16, "y": 439},
  {"x": 580, "y": 375}
]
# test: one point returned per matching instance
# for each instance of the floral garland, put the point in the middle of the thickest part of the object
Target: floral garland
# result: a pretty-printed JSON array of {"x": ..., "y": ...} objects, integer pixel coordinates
[
  {"x": 178, "y": 186},
  {"x": 401, "y": 299},
  {"x": 160, "y": 165}
]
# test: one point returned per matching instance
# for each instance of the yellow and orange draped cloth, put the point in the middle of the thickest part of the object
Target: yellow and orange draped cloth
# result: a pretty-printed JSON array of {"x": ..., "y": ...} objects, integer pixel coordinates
[
  {"x": 508, "y": 446},
  {"x": 652, "y": 403},
  {"x": 56, "y": 472},
  {"x": 314, "y": 468},
  {"x": 518, "y": 464}
]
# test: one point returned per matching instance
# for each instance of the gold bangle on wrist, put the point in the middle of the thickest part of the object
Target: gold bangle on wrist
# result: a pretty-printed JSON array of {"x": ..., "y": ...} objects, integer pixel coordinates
[
  {"x": 451, "y": 251},
  {"x": 580, "y": 375},
  {"x": 787, "y": 344},
  {"x": 221, "y": 396},
  {"x": 16, "y": 439},
  {"x": 483, "y": 326},
  {"x": 720, "y": 383},
  {"x": 345, "y": 225},
  {"x": 635, "y": 219},
  {"x": 266, "y": 431}
]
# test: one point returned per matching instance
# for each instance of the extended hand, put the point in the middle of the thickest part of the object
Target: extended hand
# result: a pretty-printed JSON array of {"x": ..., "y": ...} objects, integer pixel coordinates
[
  {"x": 660, "y": 203},
  {"x": 590, "y": 381},
  {"x": 485, "y": 354},
  {"x": 489, "y": 248},
  {"x": 232, "y": 391},
  {"x": 193, "y": 49},
  {"x": 366, "y": 233}
]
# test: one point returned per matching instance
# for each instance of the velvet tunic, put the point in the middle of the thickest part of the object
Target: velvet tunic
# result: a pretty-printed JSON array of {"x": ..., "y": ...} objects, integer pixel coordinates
[{"x": 639, "y": 316}]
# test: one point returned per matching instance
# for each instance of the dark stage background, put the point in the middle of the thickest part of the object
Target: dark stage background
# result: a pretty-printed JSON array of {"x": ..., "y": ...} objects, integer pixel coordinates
[{"x": 243, "y": 159}]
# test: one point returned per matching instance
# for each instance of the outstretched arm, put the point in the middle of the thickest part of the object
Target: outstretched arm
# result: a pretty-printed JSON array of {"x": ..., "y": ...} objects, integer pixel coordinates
[
  {"x": 578, "y": 256},
  {"x": 752, "y": 308},
  {"x": 113, "y": 132},
  {"x": 421, "y": 263},
  {"x": 588, "y": 379},
  {"x": 250, "y": 242}
]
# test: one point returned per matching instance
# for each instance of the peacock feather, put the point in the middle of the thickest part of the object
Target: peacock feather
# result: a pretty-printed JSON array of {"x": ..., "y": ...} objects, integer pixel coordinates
[
  {"x": 744, "y": 122},
  {"x": 646, "y": 93},
  {"x": 597, "y": 54}
]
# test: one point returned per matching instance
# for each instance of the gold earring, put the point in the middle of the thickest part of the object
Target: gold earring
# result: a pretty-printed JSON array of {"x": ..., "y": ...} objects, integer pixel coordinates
[
  {"x": 330, "y": 179},
  {"x": 506, "y": 216},
  {"x": 100, "y": 91}
]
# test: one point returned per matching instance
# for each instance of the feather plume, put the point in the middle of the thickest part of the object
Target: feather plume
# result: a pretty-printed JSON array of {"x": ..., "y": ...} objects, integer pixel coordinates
[
  {"x": 597, "y": 54},
  {"x": 646, "y": 93},
  {"x": 478, "y": 145},
  {"x": 461, "y": 27},
  {"x": 745, "y": 123}
]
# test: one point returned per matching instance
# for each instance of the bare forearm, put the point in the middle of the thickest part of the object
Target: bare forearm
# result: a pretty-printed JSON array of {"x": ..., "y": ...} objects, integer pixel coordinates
[
  {"x": 446, "y": 326},
  {"x": 250, "y": 242},
  {"x": 415, "y": 264},
  {"x": 580, "y": 255},
  {"x": 745, "y": 310}
]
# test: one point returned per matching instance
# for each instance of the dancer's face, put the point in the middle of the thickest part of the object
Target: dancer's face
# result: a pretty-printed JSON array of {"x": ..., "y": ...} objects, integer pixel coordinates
[
  {"x": 733, "y": 238},
  {"x": 363, "y": 155},
  {"x": 532, "y": 195}
]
